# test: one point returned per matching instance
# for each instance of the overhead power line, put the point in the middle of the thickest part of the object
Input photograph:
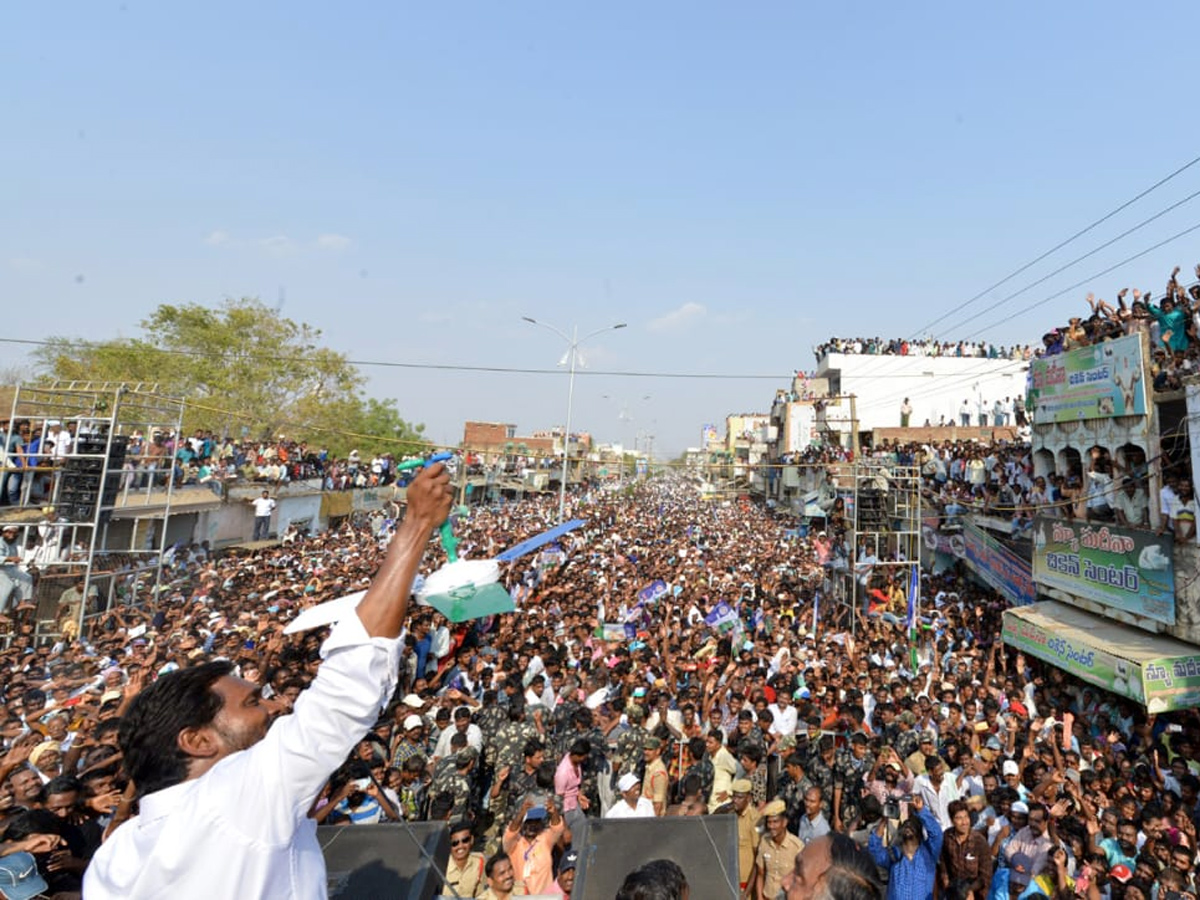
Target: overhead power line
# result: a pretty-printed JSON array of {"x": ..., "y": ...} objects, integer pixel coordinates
[
  {"x": 924, "y": 329},
  {"x": 443, "y": 367},
  {"x": 1124, "y": 234},
  {"x": 1084, "y": 281}
]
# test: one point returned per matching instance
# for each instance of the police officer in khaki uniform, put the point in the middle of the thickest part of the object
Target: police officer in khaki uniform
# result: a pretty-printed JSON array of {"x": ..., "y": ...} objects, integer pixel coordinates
[
  {"x": 747, "y": 826},
  {"x": 656, "y": 782},
  {"x": 776, "y": 852}
]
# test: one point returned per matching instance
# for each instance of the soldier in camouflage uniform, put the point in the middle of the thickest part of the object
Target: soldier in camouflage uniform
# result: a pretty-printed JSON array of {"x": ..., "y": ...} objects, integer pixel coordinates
[
  {"x": 850, "y": 770},
  {"x": 630, "y": 755},
  {"x": 701, "y": 767},
  {"x": 595, "y": 767},
  {"x": 907, "y": 739},
  {"x": 820, "y": 772},
  {"x": 509, "y": 743},
  {"x": 562, "y": 719},
  {"x": 522, "y": 780},
  {"x": 452, "y": 775},
  {"x": 747, "y": 732},
  {"x": 792, "y": 786}
]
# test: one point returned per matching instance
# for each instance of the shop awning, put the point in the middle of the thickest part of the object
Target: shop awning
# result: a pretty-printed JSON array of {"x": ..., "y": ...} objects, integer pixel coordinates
[{"x": 1159, "y": 672}]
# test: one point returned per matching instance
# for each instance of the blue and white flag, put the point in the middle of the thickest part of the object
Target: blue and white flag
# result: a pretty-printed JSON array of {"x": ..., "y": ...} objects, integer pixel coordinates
[{"x": 722, "y": 617}]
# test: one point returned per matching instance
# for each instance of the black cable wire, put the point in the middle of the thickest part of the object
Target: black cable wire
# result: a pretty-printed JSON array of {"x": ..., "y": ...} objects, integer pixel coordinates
[
  {"x": 1079, "y": 259},
  {"x": 1081, "y": 283},
  {"x": 1009, "y": 277},
  {"x": 445, "y": 367}
]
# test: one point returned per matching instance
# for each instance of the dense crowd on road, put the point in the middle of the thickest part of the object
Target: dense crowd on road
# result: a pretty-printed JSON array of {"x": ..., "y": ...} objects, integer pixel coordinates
[{"x": 735, "y": 687}]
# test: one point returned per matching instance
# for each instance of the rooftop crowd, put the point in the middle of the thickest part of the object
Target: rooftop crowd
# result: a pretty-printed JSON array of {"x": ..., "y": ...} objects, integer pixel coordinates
[
  {"x": 976, "y": 769},
  {"x": 1171, "y": 324},
  {"x": 877, "y": 346}
]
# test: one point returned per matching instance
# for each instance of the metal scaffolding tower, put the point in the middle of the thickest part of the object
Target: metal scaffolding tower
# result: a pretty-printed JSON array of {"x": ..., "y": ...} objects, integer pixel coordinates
[
  {"x": 91, "y": 448},
  {"x": 886, "y": 523}
]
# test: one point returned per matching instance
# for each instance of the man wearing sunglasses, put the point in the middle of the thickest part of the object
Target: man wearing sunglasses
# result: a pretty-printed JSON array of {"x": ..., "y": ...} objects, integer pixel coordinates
[{"x": 464, "y": 871}]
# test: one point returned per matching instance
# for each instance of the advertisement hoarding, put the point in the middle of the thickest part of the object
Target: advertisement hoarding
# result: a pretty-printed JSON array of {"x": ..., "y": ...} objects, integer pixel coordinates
[
  {"x": 1096, "y": 382},
  {"x": 1122, "y": 568}
]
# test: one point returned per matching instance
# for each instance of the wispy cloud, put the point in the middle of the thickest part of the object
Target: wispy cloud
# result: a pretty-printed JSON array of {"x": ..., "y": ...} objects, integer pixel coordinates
[
  {"x": 278, "y": 245},
  {"x": 678, "y": 318},
  {"x": 334, "y": 242},
  {"x": 24, "y": 263},
  {"x": 217, "y": 238}
]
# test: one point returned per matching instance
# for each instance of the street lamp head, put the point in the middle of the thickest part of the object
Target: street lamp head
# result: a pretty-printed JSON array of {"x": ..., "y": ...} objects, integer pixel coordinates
[
  {"x": 529, "y": 320},
  {"x": 620, "y": 325}
]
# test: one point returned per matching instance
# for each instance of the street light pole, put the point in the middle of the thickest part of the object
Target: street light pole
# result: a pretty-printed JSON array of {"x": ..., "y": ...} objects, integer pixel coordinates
[{"x": 573, "y": 343}]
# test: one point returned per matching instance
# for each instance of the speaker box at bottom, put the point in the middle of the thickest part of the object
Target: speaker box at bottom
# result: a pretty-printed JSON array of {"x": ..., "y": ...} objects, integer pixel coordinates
[
  {"x": 383, "y": 862},
  {"x": 705, "y": 847}
]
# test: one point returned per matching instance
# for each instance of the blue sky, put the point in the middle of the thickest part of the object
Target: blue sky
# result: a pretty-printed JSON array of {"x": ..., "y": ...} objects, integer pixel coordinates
[{"x": 735, "y": 181}]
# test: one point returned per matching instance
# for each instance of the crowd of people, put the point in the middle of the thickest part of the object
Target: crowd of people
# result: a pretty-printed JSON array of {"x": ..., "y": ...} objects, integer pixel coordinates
[
  {"x": 876, "y": 346},
  {"x": 671, "y": 657},
  {"x": 1171, "y": 325}
]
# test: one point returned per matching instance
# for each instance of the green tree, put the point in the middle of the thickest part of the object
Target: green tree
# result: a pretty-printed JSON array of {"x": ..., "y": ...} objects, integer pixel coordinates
[{"x": 239, "y": 365}]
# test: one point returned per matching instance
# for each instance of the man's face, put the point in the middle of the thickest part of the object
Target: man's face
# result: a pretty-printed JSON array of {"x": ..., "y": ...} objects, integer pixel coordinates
[
  {"x": 1037, "y": 823},
  {"x": 460, "y": 845},
  {"x": 62, "y": 804},
  {"x": 776, "y": 826},
  {"x": 740, "y": 802},
  {"x": 244, "y": 716},
  {"x": 812, "y": 802},
  {"x": 25, "y": 786},
  {"x": 502, "y": 878},
  {"x": 566, "y": 880},
  {"x": 811, "y": 865}
]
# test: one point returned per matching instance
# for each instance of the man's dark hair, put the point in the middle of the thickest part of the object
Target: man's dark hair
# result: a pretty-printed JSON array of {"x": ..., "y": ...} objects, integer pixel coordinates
[
  {"x": 63, "y": 784},
  {"x": 581, "y": 747},
  {"x": 149, "y": 733},
  {"x": 441, "y": 806},
  {"x": 494, "y": 860},
  {"x": 696, "y": 748},
  {"x": 851, "y": 874},
  {"x": 751, "y": 751},
  {"x": 659, "y": 879},
  {"x": 532, "y": 748}
]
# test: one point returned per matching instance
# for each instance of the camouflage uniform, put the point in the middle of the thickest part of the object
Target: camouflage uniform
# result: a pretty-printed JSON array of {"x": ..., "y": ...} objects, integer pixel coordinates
[
  {"x": 560, "y": 721},
  {"x": 630, "y": 755},
  {"x": 850, "y": 774},
  {"x": 705, "y": 772},
  {"x": 906, "y": 743},
  {"x": 447, "y": 778},
  {"x": 792, "y": 793},
  {"x": 821, "y": 774},
  {"x": 509, "y": 746},
  {"x": 593, "y": 767},
  {"x": 491, "y": 719}
]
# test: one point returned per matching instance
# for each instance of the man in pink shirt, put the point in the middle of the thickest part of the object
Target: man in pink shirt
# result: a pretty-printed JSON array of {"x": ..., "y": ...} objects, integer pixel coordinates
[{"x": 568, "y": 776}]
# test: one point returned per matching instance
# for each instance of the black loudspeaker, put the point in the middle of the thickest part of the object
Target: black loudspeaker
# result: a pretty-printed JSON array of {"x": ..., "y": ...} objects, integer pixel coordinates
[
  {"x": 705, "y": 847},
  {"x": 383, "y": 862}
]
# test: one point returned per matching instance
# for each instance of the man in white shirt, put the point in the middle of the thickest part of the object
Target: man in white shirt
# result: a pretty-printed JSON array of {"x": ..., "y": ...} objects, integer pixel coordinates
[
  {"x": 224, "y": 793},
  {"x": 938, "y": 788},
  {"x": 632, "y": 804},
  {"x": 464, "y": 725},
  {"x": 263, "y": 507},
  {"x": 783, "y": 715}
]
